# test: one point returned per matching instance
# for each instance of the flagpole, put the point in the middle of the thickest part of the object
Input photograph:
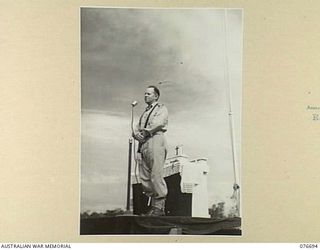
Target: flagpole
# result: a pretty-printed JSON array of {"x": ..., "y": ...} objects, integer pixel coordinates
[{"x": 236, "y": 193}]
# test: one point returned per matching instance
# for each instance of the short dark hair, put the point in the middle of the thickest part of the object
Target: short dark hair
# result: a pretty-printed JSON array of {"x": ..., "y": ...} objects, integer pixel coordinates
[{"x": 155, "y": 89}]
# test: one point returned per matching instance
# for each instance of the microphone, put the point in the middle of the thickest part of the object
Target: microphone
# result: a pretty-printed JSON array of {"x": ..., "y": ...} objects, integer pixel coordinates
[{"x": 134, "y": 103}]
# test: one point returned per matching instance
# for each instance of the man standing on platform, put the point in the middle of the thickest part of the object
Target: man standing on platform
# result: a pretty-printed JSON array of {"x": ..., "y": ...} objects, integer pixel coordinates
[{"x": 153, "y": 149}]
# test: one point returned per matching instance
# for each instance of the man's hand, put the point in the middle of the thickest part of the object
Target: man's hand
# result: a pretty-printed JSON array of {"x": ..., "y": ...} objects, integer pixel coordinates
[
  {"x": 145, "y": 133},
  {"x": 139, "y": 136}
]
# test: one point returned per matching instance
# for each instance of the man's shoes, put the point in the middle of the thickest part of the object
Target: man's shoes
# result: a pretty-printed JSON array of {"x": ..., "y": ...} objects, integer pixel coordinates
[{"x": 154, "y": 211}]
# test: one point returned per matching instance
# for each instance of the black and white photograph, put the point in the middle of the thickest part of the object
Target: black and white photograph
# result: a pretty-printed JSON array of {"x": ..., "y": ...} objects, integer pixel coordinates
[{"x": 160, "y": 121}]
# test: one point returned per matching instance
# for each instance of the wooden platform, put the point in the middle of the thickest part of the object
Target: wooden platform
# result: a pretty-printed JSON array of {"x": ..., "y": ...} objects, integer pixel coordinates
[{"x": 128, "y": 224}]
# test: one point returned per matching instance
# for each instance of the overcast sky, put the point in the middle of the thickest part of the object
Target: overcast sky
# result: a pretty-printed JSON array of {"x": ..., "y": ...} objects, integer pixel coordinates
[{"x": 125, "y": 50}]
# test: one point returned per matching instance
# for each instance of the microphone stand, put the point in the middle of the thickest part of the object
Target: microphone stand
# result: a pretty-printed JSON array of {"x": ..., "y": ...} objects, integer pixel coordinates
[
  {"x": 129, "y": 166},
  {"x": 129, "y": 175}
]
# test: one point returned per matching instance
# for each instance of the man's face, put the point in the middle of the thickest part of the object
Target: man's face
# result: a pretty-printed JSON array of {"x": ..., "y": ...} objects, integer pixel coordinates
[{"x": 150, "y": 96}]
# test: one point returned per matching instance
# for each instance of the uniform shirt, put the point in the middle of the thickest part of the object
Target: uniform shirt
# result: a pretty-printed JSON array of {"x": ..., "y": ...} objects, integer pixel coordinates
[{"x": 158, "y": 120}]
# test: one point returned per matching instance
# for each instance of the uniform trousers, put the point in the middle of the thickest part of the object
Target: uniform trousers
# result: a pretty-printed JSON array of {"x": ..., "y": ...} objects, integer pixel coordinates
[{"x": 151, "y": 169}]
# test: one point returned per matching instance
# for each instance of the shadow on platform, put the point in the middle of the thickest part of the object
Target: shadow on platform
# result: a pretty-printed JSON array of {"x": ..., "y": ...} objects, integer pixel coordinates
[{"x": 159, "y": 225}]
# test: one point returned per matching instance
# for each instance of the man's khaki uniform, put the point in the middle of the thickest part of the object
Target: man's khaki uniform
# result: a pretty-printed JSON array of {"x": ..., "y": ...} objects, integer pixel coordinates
[{"x": 153, "y": 153}]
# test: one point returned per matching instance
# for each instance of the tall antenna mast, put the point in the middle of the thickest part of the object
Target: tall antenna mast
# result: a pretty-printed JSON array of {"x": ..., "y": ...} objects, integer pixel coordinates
[{"x": 236, "y": 194}]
